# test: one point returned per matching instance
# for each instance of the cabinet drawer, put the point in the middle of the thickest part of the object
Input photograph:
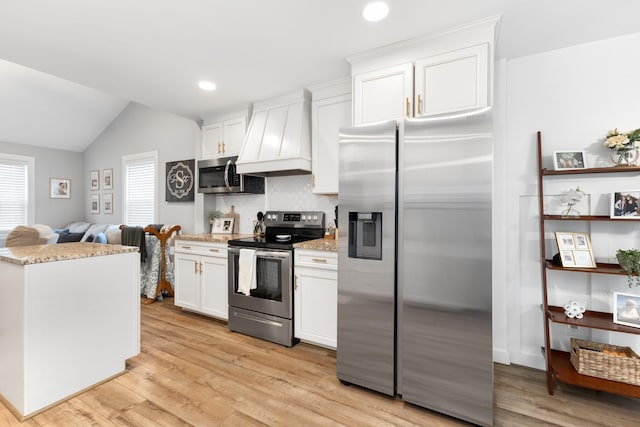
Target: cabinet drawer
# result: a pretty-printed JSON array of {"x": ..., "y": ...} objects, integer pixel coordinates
[
  {"x": 201, "y": 248},
  {"x": 316, "y": 259}
]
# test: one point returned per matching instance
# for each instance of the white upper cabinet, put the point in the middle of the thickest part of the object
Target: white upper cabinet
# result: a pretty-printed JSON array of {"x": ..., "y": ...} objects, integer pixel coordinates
[
  {"x": 452, "y": 81},
  {"x": 385, "y": 94},
  {"x": 224, "y": 137},
  {"x": 330, "y": 110},
  {"x": 444, "y": 73}
]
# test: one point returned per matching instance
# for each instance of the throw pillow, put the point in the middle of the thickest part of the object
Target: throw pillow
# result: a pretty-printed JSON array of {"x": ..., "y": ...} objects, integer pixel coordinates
[{"x": 100, "y": 238}]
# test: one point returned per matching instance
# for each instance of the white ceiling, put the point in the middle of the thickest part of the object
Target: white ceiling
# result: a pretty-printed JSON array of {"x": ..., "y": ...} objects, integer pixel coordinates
[{"x": 154, "y": 52}]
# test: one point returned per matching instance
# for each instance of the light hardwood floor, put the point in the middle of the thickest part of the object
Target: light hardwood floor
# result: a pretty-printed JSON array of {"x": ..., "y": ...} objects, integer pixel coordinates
[{"x": 193, "y": 371}]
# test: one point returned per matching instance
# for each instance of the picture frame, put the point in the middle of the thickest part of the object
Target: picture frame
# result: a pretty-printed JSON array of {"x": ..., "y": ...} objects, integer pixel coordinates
[
  {"x": 624, "y": 204},
  {"x": 222, "y": 225},
  {"x": 626, "y": 309},
  {"x": 107, "y": 201},
  {"x": 575, "y": 250},
  {"x": 95, "y": 203},
  {"x": 59, "y": 188},
  {"x": 94, "y": 180},
  {"x": 567, "y": 160},
  {"x": 107, "y": 179}
]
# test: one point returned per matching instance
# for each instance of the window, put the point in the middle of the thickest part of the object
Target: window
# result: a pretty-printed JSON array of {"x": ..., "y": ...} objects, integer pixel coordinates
[
  {"x": 139, "y": 178},
  {"x": 17, "y": 192}
]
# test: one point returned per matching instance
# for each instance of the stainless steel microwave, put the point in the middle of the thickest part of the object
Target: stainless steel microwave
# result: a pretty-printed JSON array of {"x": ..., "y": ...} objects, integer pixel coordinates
[{"x": 218, "y": 176}]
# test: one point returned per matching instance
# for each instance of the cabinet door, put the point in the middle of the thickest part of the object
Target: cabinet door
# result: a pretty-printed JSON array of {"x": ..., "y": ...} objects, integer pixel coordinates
[
  {"x": 316, "y": 306},
  {"x": 233, "y": 132},
  {"x": 214, "y": 287},
  {"x": 212, "y": 141},
  {"x": 328, "y": 116},
  {"x": 452, "y": 81},
  {"x": 385, "y": 94},
  {"x": 187, "y": 281}
]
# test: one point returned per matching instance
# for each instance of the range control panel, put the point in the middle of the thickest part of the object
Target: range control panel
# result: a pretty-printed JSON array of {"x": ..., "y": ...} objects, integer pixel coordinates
[{"x": 294, "y": 219}]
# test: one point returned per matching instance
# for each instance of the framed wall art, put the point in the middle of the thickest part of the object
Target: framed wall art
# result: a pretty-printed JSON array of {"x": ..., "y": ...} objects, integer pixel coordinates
[
  {"x": 94, "y": 180},
  {"x": 565, "y": 160},
  {"x": 107, "y": 179},
  {"x": 626, "y": 309},
  {"x": 107, "y": 201},
  {"x": 624, "y": 204},
  {"x": 575, "y": 250},
  {"x": 59, "y": 188},
  {"x": 180, "y": 181},
  {"x": 95, "y": 203}
]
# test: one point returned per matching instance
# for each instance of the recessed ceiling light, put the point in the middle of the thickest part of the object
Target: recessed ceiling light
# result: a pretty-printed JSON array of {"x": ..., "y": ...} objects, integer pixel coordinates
[
  {"x": 375, "y": 11},
  {"x": 207, "y": 85}
]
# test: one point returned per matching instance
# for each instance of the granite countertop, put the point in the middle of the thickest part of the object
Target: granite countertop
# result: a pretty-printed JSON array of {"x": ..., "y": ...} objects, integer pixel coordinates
[
  {"x": 329, "y": 245},
  {"x": 211, "y": 238},
  {"x": 36, "y": 254}
]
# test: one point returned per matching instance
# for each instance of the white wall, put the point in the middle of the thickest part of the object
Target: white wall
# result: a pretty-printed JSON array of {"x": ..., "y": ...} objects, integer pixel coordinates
[
  {"x": 573, "y": 96},
  {"x": 136, "y": 130},
  {"x": 54, "y": 164}
]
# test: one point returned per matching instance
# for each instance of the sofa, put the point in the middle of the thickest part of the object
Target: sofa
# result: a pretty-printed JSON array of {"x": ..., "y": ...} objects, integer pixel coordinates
[{"x": 88, "y": 232}]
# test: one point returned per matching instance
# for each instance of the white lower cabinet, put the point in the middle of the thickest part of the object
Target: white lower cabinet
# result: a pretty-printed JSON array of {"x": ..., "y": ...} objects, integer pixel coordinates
[
  {"x": 316, "y": 297},
  {"x": 201, "y": 277}
]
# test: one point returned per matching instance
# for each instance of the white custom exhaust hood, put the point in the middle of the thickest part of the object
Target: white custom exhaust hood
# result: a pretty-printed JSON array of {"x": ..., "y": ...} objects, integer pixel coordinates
[{"x": 278, "y": 141}]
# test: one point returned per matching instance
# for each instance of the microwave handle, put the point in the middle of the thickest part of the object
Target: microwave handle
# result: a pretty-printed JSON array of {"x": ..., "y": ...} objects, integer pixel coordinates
[{"x": 226, "y": 175}]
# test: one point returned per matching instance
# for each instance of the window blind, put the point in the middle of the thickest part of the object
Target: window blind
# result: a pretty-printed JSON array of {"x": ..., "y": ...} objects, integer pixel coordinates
[
  {"x": 14, "y": 193},
  {"x": 140, "y": 190}
]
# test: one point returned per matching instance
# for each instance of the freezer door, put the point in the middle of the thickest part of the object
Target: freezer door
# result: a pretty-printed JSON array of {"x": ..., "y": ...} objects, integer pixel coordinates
[
  {"x": 444, "y": 266},
  {"x": 366, "y": 274}
]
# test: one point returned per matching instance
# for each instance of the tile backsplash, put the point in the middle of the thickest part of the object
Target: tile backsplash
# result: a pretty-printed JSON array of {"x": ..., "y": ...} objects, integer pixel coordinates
[{"x": 282, "y": 193}]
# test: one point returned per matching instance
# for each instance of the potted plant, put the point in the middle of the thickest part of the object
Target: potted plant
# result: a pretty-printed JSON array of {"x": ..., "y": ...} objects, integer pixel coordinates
[{"x": 629, "y": 261}]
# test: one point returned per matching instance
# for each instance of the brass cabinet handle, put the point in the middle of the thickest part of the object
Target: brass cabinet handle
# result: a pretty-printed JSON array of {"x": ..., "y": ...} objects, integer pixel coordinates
[
  {"x": 419, "y": 105},
  {"x": 295, "y": 282},
  {"x": 321, "y": 260},
  {"x": 200, "y": 268},
  {"x": 214, "y": 250},
  {"x": 195, "y": 267},
  {"x": 407, "y": 106},
  {"x": 223, "y": 150},
  {"x": 186, "y": 247},
  {"x": 218, "y": 147}
]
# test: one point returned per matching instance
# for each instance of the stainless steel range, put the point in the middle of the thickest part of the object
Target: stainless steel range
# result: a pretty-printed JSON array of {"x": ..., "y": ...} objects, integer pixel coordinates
[{"x": 261, "y": 275}]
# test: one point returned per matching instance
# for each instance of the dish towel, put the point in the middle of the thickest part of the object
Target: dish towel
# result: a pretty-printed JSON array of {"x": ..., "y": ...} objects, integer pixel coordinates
[{"x": 247, "y": 271}]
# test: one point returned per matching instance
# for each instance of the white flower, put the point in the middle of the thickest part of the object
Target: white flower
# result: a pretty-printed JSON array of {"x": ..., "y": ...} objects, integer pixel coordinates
[{"x": 572, "y": 196}]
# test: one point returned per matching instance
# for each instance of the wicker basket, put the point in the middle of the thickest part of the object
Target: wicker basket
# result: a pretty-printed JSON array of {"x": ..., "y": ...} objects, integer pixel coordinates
[{"x": 606, "y": 361}]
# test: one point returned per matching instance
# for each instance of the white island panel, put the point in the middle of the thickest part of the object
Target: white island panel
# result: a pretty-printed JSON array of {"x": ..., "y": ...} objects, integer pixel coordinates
[{"x": 73, "y": 324}]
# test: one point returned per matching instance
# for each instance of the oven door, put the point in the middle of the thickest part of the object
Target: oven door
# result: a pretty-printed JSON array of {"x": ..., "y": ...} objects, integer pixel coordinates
[{"x": 274, "y": 288}]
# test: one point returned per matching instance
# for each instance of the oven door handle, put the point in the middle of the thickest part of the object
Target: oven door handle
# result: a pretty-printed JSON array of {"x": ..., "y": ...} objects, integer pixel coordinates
[{"x": 267, "y": 254}]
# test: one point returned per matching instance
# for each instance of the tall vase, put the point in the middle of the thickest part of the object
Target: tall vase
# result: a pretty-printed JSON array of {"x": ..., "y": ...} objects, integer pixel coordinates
[{"x": 624, "y": 157}]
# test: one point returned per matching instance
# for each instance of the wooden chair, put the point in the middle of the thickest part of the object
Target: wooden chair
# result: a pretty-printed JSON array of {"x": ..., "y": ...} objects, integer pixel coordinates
[{"x": 163, "y": 236}]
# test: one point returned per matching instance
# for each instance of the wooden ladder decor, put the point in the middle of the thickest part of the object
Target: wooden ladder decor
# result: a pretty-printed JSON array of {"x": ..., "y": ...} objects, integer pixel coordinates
[{"x": 163, "y": 284}]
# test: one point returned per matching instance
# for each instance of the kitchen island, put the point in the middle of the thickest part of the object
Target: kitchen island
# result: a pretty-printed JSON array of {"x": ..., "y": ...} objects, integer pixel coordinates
[{"x": 69, "y": 319}]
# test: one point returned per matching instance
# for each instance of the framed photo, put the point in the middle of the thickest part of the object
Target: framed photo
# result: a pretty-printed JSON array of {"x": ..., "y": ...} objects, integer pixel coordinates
[
  {"x": 59, "y": 188},
  {"x": 95, "y": 203},
  {"x": 107, "y": 201},
  {"x": 222, "y": 225},
  {"x": 624, "y": 204},
  {"x": 575, "y": 250},
  {"x": 565, "y": 160},
  {"x": 95, "y": 180},
  {"x": 107, "y": 179},
  {"x": 626, "y": 309}
]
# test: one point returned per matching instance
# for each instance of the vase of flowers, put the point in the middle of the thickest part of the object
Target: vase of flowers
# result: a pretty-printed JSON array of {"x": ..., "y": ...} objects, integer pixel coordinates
[
  {"x": 623, "y": 147},
  {"x": 571, "y": 198}
]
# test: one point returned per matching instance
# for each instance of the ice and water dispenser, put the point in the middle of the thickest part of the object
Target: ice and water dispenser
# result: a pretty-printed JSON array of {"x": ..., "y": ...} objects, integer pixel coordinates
[{"x": 365, "y": 235}]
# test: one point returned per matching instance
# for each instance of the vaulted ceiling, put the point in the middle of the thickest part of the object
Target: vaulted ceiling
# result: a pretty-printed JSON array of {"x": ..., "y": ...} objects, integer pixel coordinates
[{"x": 68, "y": 67}]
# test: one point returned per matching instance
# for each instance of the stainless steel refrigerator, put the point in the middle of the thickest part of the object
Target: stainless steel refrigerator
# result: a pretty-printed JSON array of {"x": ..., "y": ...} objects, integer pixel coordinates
[{"x": 414, "y": 262}]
